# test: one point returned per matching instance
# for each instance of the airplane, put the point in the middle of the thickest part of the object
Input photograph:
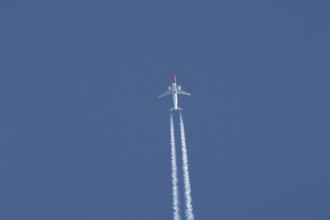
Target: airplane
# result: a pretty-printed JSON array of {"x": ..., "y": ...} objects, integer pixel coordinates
[{"x": 174, "y": 90}]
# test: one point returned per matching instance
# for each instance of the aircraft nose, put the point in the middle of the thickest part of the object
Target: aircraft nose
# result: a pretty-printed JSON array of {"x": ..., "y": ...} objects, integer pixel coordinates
[{"x": 174, "y": 78}]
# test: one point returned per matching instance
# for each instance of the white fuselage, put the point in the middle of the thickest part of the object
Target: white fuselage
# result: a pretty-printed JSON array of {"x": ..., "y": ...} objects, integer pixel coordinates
[{"x": 175, "y": 96}]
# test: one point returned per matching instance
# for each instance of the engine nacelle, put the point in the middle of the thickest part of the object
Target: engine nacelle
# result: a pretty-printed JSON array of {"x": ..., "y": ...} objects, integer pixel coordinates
[
  {"x": 169, "y": 88},
  {"x": 179, "y": 88}
]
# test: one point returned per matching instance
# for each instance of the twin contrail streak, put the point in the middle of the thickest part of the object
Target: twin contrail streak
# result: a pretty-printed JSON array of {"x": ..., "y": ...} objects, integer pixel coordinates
[
  {"x": 176, "y": 90},
  {"x": 175, "y": 190},
  {"x": 186, "y": 179}
]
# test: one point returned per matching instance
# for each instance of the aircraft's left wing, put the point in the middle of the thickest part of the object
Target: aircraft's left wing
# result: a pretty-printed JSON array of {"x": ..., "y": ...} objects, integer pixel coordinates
[
  {"x": 168, "y": 92},
  {"x": 181, "y": 92}
]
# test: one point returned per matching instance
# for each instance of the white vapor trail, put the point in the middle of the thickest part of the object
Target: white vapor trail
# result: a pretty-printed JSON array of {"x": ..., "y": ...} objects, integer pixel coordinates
[
  {"x": 186, "y": 179},
  {"x": 175, "y": 189}
]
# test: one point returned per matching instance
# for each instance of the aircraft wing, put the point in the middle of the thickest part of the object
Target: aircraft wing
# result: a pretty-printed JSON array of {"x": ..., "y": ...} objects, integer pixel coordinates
[
  {"x": 181, "y": 92},
  {"x": 168, "y": 92}
]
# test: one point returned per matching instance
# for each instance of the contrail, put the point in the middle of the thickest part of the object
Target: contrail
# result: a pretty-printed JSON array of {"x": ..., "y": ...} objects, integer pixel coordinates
[
  {"x": 175, "y": 190},
  {"x": 186, "y": 179}
]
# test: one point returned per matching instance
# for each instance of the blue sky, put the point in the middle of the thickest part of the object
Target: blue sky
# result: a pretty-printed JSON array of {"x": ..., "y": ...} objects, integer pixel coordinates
[{"x": 83, "y": 135}]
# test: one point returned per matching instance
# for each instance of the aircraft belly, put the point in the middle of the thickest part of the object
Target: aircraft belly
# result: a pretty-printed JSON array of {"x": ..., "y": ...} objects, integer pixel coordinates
[{"x": 175, "y": 101}]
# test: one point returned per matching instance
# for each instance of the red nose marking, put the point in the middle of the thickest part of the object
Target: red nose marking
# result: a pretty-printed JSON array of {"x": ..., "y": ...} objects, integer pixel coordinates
[{"x": 174, "y": 78}]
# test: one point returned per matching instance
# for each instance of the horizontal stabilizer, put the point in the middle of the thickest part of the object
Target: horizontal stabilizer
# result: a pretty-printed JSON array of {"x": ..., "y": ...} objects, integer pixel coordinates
[{"x": 176, "y": 109}]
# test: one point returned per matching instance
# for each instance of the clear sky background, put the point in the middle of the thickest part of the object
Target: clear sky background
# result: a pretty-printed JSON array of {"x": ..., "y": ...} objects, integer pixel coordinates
[{"x": 83, "y": 135}]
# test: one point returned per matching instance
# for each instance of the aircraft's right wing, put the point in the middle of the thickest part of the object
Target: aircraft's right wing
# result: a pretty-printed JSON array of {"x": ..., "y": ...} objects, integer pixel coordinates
[
  {"x": 168, "y": 92},
  {"x": 181, "y": 92}
]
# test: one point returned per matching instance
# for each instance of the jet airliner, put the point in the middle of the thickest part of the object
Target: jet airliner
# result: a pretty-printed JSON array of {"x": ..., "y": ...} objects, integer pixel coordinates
[{"x": 174, "y": 90}]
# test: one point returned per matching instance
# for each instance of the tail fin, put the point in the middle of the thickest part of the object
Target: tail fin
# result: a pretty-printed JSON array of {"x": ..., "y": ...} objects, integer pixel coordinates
[{"x": 176, "y": 109}]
